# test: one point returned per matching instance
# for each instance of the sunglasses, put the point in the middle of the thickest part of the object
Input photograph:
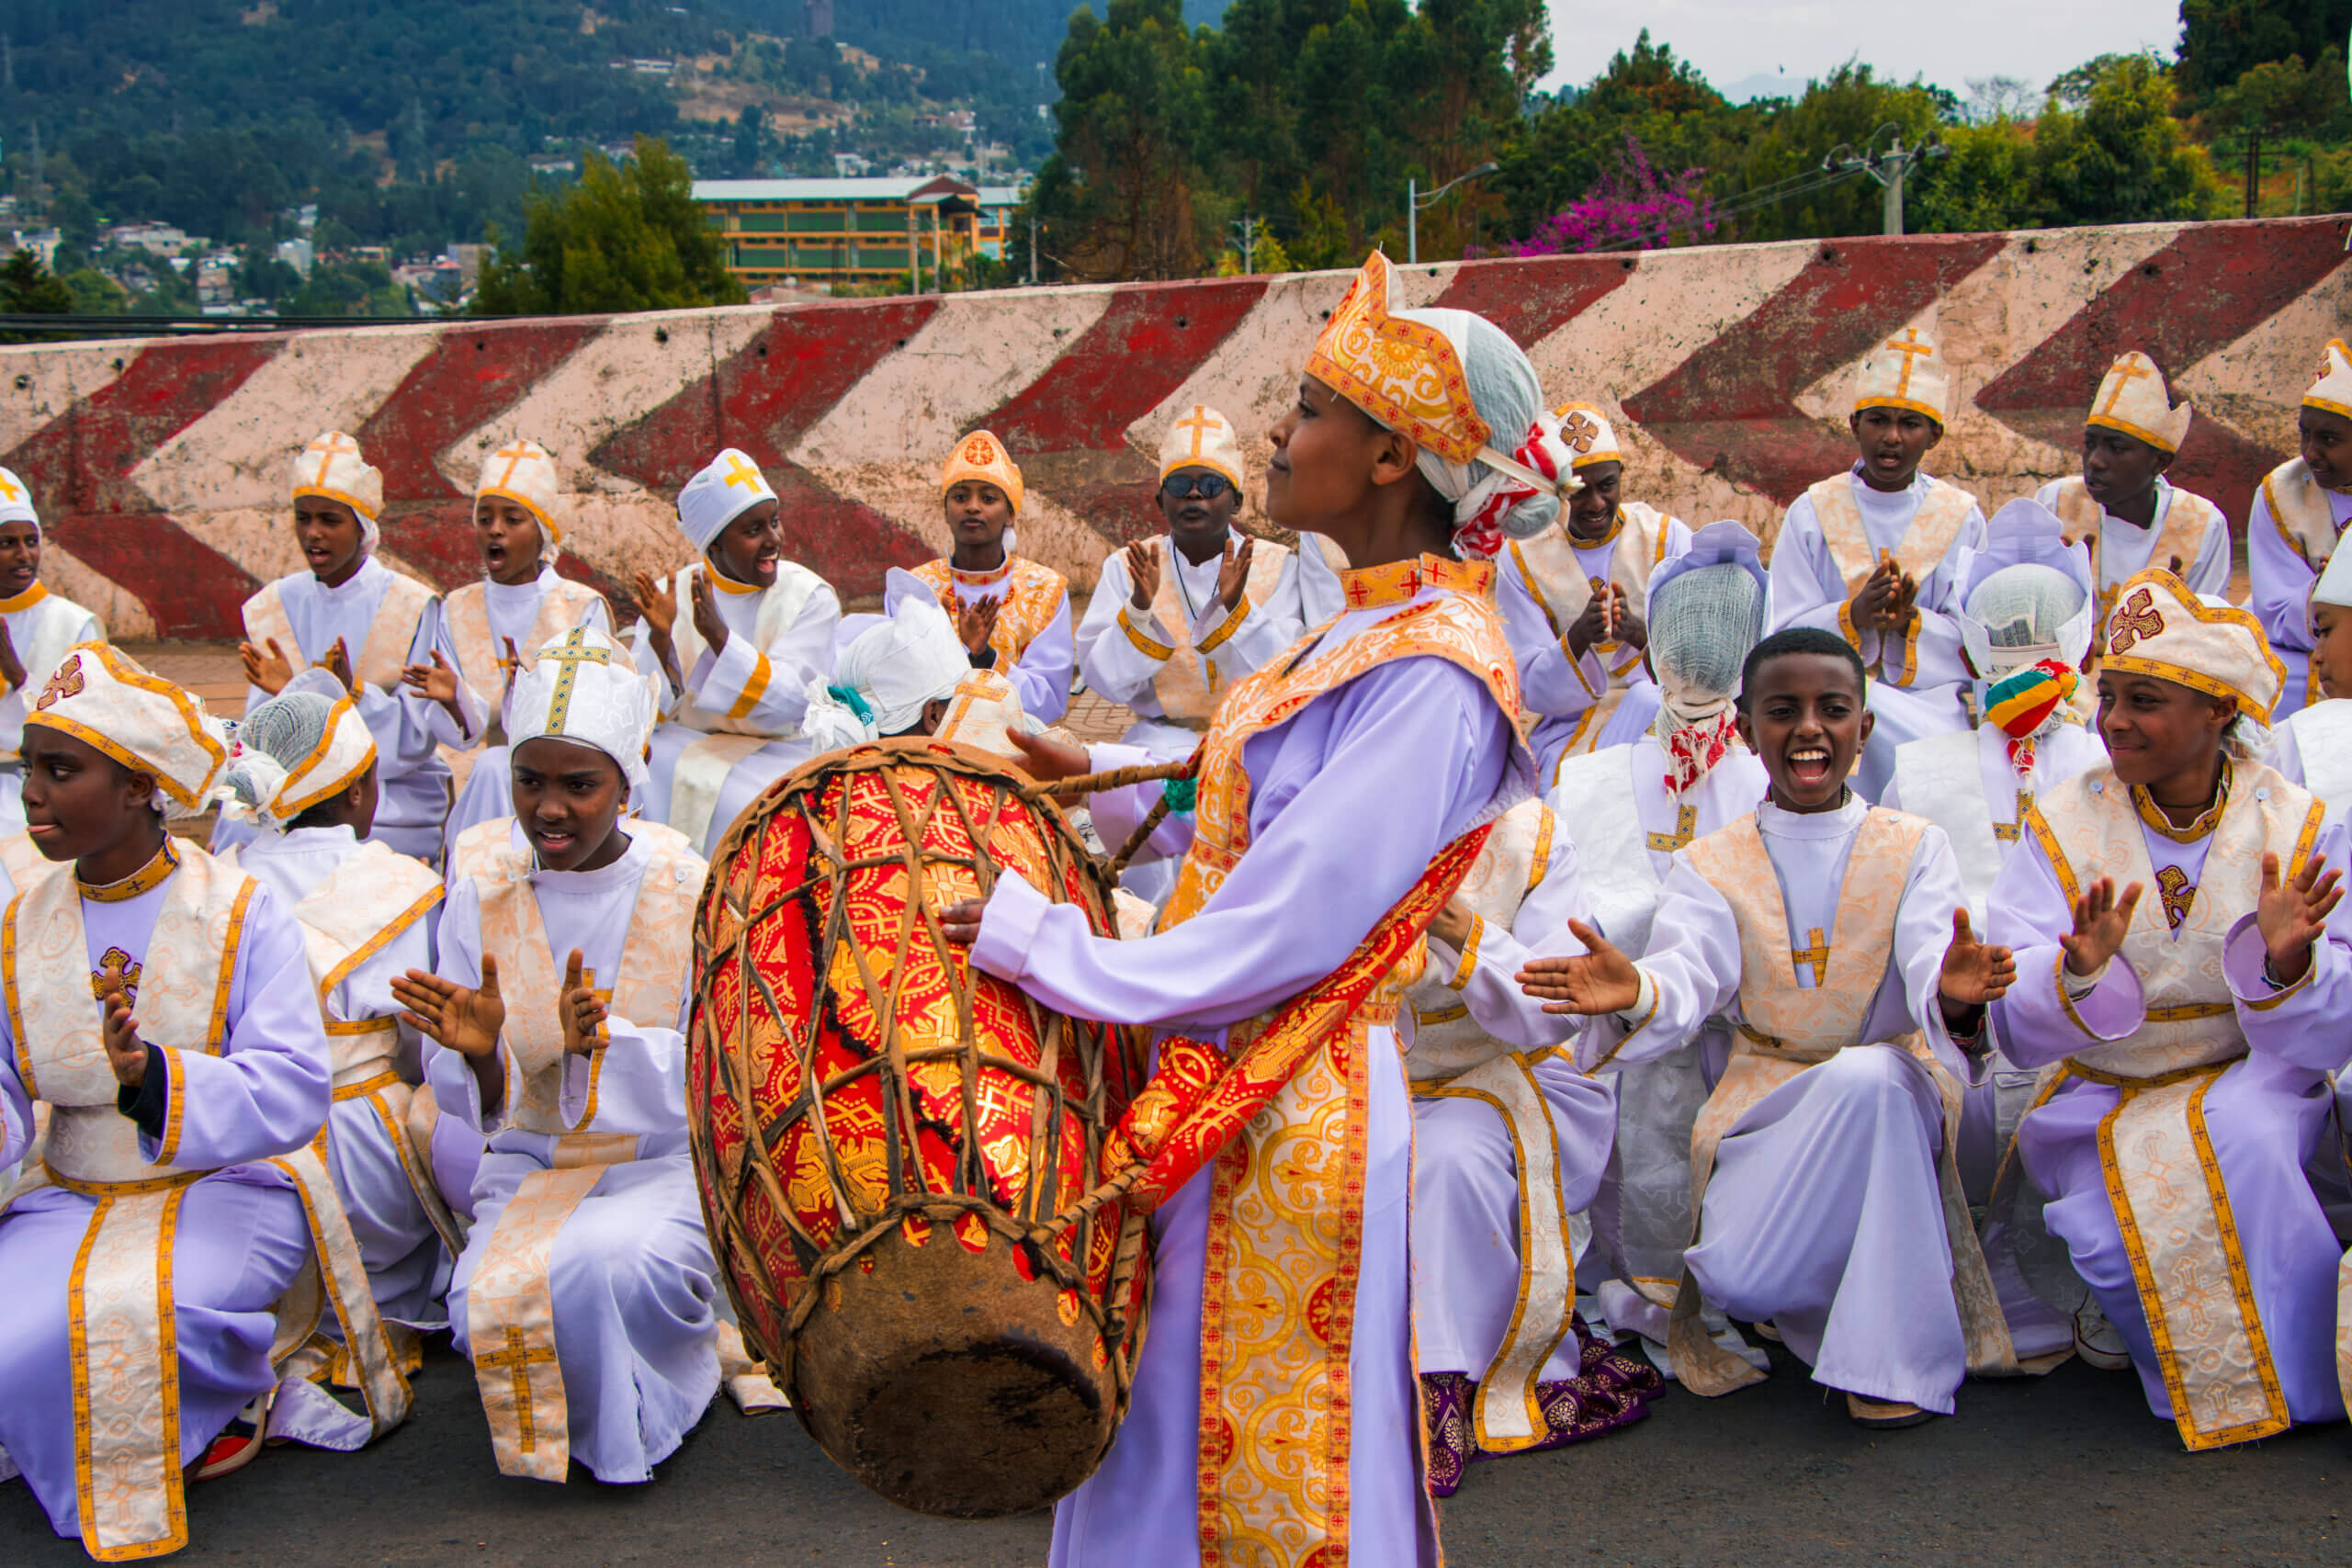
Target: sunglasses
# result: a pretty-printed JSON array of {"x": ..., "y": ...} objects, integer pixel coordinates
[{"x": 1209, "y": 487}]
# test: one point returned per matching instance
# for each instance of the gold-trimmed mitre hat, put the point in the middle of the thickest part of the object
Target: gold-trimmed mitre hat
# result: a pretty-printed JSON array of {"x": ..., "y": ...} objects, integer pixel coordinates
[
  {"x": 981, "y": 456},
  {"x": 524, "y": 472},
  {"x": 1202, "y": 439},
  {"x": 2332, "y": 390},
  {"x": 2160, "y": 627},
  {"x": 1589, "y": 436},
  {"x": 2131, "y": 399},
  {"x": 102, "y": 697},
  {"x": 1403, "y": 373},
  {"x": 585, "y": 687},
  {"x": 330, "y": 465},
  {"x": 1906, "y": 372}
]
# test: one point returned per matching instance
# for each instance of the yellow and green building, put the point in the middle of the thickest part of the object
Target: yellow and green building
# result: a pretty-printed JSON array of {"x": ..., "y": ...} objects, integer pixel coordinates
[{"x": 843, "y": 230}]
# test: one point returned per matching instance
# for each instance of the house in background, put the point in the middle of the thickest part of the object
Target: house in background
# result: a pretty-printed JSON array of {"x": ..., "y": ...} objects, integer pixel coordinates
[{"x": 843, "y": 231}]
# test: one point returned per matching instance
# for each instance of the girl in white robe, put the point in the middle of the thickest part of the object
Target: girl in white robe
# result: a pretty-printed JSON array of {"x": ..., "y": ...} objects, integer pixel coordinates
[
  {"x": 521, "y": 603},
  {"x": 1394, "y": 739},
  {"x": 1683, "y": 775},
  {"x": 2184, "y": 969},
  {"x": 355, "y": 616},
  {"x": 305, "y": 774},
  {"x": 183, "y": 1114},
  {"x": 36, "y": 628},
  {"x": 2297, "y": 518},
  {"x": 584, "y": 1295},
  {"x": 1829, "y": 1204},
  {"x": 732, "y": 641},
  {"x": 1012, "y": 613}
]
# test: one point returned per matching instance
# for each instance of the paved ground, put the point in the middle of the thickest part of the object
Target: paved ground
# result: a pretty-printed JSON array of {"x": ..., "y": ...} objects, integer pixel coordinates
[{"x": 2068, "y": 1470}]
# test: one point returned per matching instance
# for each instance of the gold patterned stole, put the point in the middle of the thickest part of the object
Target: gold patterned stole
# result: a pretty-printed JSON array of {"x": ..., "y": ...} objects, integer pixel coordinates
[
  {"x": 481, "y": 657},
  {"x": 510, "y": 1305},
  {"x": 1190, "y": 679},
  {"x": 1281, "y": 1111},
  {"x": 2183, "y": 533},
  {"x": 983, "y": 712},
  {"x": 2178, "y": 1231},
  {"x": 2301, "y": 511},
  {"x": 1786, "y": 1027},
  {"x": 1942, "y": 512},
  {"x": 121, "y": 1325},
  {"x": 1553, "y": 566},
  {"x": 1032, "y": 594},
  {"x": 380, "y": 656}
]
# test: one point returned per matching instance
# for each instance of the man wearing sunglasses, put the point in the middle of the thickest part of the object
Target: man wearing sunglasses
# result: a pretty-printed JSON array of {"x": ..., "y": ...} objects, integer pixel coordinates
[{"x": 1177, "y": 619}]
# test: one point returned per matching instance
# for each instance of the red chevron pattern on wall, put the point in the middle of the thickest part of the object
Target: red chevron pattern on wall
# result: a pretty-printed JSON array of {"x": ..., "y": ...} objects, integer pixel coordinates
[{"x": 160, "y": 466}]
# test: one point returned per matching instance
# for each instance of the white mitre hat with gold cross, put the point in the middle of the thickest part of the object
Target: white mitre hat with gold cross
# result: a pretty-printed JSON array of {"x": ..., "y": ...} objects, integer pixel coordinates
[
  {"x": 2160, "y": 627},
  {"x": 585, "y": 687},
  {"x": 102, "y": 697},
  {"x": 331, "y": 467},
  {"x": 1906, "y": 371},
  {"x": 1202, "y": 439},
  {"x": 2332, "y": 390},
  {"x": 730, "y": 485},
  {"x": 524, "y": 472},
  {"x": 2131, "y": 399},
  {"x": 16, "y": 499},
  {"x": 1587, "y": 436}
]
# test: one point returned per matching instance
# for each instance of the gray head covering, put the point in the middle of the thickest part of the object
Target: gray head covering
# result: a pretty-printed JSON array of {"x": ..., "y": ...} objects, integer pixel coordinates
[
  {"x": 1707, "y": 610},
  {"x": 2026, "y": 605}
]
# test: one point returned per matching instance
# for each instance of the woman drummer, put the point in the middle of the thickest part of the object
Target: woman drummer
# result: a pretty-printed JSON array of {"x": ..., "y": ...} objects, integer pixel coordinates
[{"x": 1348, "y": 778}]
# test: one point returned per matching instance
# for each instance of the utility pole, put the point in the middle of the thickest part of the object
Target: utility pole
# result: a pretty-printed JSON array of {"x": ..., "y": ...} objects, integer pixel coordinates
[
  {"x": 1897, "y": 167},
  {"x": 1415, "y": 202},
  {"x": 1033, "y": 250},
  {"x": 1889, "y": 168},
  {"x": 914, "y": 250},
  {"x": 1246, "y": 226}
]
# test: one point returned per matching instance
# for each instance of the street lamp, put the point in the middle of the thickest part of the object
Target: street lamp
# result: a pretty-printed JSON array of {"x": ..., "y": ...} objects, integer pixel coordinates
[{"x": 1415, "y": 202}]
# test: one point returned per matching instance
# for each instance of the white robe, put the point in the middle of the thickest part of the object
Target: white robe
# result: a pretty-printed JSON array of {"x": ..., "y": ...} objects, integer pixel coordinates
[
  {"x": 1824, "y": 1213},
  {"x": 2281, "y": 581},
  {"x": 412, "y": 780},
  {"x": 241, "y": 1235},
  {"x": 802, "y": 651},
  {"x": 631, "y": 1274},
  {"x": 1807, "y": 589},
  {"x": 40, "y": 633},
  {"x": 1350, "y": 800},
  {"x": 406, "y": 1262},
  {"x": 2125, "y": 549},
  {"x": 513, "y": 609}
]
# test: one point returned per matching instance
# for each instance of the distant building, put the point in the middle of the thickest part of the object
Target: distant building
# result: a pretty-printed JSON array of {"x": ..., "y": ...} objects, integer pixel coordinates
[
  {"x": 42, "y": 243},
  {"x": 992, "y": 233},
  {"x": 298, "y": 255},
  {"x": 155, "y": 239},
  {"x": 840, "y": 232}
]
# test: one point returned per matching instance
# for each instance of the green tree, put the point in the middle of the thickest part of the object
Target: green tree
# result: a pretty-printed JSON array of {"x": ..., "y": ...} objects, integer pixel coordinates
[
  {"x": 2220, "y": 40},
  {"x": 2122, "y": 158},
  {"x": 27, "y": 289},
  {"x": 628, "y": 237},
  {"x": 1983, "y": 181},
  {"x": 2271, "y": 102}
]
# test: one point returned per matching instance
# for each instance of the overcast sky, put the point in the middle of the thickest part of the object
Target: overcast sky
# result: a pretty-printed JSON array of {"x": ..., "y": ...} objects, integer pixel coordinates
[{"x": 1735, "y": 41}]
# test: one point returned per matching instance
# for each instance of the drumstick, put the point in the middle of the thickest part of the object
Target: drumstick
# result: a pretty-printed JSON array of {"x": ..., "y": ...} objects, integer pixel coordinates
[{"x": 1117, "y": 778}]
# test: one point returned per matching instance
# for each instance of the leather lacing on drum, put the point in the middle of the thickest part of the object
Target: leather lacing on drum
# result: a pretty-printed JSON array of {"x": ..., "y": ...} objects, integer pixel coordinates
[{"x": 723, "y": 930}]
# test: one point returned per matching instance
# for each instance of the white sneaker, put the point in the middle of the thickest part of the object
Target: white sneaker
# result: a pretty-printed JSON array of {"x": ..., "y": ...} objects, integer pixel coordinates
[{"x": 2097, "y": 1341}]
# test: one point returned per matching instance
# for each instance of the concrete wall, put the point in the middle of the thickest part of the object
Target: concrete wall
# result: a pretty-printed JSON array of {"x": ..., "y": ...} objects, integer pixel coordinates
[{"x": 161, "y": 467}]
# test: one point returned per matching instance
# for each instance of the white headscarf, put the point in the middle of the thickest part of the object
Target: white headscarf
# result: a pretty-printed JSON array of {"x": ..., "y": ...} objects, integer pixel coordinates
[
  {"x": 582, "y": 687},
  {"x": 886, "y": 677},
  {"x": 1509, "y": 398}
]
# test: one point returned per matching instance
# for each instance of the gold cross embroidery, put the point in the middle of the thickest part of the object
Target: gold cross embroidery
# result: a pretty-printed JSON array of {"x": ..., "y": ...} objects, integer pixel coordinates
[
  {"x": 1580, "y": 433},
  {"x": 740, "y": 472},
  {"x": 116, "y": 973},
  {"x": 1817, "y": 956},
  {"x": 1909, "y": 346},
  {"x": 1686, "y": 826},
  {"x": 574, "y": 651},
  {"x": 2179, "y": 892},
  {"x": 2007, "y": 831},
  {"x": 513, "y": 454},
  {"x": 9, "y": 488},
  {"x": 515, "y": 1362},
  {"x": 66, "y": 683},
  {"x": 2137, "y": 618},
  {"x": 1200, "y": 424},
  {"x": 328, "y": 451},
  {"x": 2122, "y": 373}
]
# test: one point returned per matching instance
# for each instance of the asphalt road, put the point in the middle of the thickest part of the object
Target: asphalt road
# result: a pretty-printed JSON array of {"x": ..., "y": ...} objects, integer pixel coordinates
[{"x": 2067, "y": 1469}]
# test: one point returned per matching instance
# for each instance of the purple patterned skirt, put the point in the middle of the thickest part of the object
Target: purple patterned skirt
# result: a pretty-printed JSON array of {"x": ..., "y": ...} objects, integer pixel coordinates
[{"x": 1608, "y": 1391}]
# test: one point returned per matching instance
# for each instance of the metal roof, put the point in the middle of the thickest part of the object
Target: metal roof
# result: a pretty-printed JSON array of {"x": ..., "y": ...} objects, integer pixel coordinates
[{"x": 877, "y": 189}]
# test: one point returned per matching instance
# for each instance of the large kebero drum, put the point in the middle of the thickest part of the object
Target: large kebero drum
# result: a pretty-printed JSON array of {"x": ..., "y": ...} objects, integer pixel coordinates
[{"x": 895, "y": 1151}]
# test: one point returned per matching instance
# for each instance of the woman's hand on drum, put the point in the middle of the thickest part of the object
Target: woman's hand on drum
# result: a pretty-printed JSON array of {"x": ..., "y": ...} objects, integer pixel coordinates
[
  {"x": 581, "y": 1010},
  {"x": 960, "y": 921},
  {"x": 1599, "y": 980},
  {"x": 1048, "y": 760}
]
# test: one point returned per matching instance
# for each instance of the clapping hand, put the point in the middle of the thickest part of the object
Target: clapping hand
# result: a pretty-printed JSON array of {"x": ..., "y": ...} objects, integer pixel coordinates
[
  {"x": 2101, "y": 922},
  {"x": 1233, "y": 576},
  {"x": 583, "y": 1011},
  {"x": 2293, "y": 913},
  {"x": 268, "y": 671},
  {"x": 1599, "y": 980},
  {"x": 1143, "y": 575},
  {"x": 975, "y": 623}
]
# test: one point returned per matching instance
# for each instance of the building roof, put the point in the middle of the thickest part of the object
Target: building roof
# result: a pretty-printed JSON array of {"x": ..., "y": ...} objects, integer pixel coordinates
[
  {"x": 999, "y": 196},
  {"x": 909, "y": 189}
]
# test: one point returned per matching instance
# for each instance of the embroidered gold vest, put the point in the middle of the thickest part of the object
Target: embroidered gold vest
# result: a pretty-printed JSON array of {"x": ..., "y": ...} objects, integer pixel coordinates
[
  {"x": 1034, "y": 592},
  {"x": 378, "y": 660},
  {"x": 1554, "y": 572},
  {"x": 2187, "y": 518},
  {"x": 1942, "y": 513},
  {"x": 2088, "y": 829},
  {"x": 481, "y": 657},
  {"x": 2300, "y": 510}
]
